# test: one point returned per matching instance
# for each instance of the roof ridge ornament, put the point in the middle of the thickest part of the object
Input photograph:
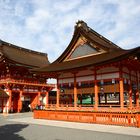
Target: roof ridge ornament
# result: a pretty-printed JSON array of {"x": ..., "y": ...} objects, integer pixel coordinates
[{"x": 81, "y": 23}]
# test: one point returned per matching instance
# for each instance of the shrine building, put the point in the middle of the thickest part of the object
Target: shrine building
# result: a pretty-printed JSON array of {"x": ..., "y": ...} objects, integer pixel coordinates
[
  {"x": 19, "y": 88},
  {"x": 94, "y": 68}
]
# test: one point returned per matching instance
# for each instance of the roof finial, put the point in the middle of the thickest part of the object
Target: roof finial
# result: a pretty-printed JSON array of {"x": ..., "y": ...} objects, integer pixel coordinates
[{"x": 81, "y": 23}]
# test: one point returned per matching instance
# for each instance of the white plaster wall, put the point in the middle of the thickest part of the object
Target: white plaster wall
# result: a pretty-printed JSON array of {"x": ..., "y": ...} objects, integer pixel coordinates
[
  {"x": 68, "y": 80},
  {"x": 107, "y": 69},
  {"x": 107, "y": 76},
  {"x": 65, "y": 75},
  {"x": 85, "y": 72},
  {"x": 85, "y": 78}
]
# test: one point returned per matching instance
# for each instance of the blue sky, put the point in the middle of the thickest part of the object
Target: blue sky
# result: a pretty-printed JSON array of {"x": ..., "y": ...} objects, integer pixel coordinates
[{"x": 48, "y": 25}]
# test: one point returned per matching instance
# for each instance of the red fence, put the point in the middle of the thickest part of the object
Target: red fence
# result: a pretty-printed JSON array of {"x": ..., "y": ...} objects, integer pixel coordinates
[
  {"x": 90, "y": 108},
  {"x": 123, "y": 119}
]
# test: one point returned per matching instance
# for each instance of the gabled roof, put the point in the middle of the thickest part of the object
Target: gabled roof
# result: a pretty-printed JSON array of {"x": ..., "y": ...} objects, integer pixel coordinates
[
  {"x": 92, "y": 37},
  {"x": 19, "y": 55},
  {"x": 109, "y": 51}
]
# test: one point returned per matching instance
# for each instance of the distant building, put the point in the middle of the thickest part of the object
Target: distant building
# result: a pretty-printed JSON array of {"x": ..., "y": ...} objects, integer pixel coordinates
[{"x": 19, "y": 88}]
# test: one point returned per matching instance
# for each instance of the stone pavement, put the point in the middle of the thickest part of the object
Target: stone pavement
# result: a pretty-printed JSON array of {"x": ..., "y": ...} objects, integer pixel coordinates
[
  {"x": 84, "y": 126},
  {"x": 21, "y": 126}
]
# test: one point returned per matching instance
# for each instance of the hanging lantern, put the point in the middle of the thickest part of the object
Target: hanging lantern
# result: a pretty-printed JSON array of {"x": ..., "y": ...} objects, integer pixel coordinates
[
  {"x": 102, "y": 82},
  {"x": 102, "y": 89},
  {"x": 134, "y": 86},
  {"x": 69, "y": 84},
  {"x": 62, "y": 90},
  {"x": 79, "y": 84},
  {"x": 113, "y": 81},
  {"x": 125, "y": 81}
]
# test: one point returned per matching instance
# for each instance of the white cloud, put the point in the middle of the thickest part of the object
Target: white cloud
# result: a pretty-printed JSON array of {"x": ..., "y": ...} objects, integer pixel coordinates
[
  {"x": 48, "y": 25},
  {"x": 37, "y": 22},
  {"x": 65, "y": 6}
]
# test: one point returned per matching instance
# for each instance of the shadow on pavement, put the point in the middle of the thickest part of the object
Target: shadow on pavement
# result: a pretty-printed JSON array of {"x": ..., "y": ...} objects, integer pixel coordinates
[{"x": 10, "y": 131}]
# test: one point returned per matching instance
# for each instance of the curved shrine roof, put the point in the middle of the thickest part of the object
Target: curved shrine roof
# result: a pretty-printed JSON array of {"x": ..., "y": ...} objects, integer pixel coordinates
[
  {"x": 105, "y": 51},
  {"x": 88, "y": 61},
  {"x": 23, "y": 56}
]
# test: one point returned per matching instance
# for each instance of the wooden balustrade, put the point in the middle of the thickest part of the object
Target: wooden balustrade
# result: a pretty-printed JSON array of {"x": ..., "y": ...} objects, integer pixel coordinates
[
  {"x": 105, "y": 108},
  {"x": 25, "y": 82},
  {"x": 108, "y": 118}
]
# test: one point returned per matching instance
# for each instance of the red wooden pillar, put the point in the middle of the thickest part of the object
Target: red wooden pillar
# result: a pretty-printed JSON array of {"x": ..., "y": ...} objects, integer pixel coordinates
[
  {"x": 96, "y": 94},
  {"x": 130, "y": 95},
  {"x": 121, "y": 94},
  {"x": 57, "y": 94},
  {"x": 130, "y": 91},
  {"x": 121, "y": 88},
  {"x": 96, "y": 91},
  {"x": 47, "y": 99},
  {"x": 75, "y": 92},
  {"x": 20, "y": 100},
  {"x": 137, "y": 91},
  {"x": 9, "y": 106}
]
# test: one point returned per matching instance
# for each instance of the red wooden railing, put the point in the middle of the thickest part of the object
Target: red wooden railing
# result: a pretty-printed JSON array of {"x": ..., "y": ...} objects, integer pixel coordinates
[
  {"x": 103, "y": 108},
  {"x": 20, "y": 80},
  {"x": 108, "y": 118}
]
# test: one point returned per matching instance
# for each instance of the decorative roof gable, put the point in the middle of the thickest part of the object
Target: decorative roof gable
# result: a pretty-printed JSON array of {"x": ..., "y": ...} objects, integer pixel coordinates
[
  {"x": 86, "y": 42},
  {"x": 83, "y": 48}
]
